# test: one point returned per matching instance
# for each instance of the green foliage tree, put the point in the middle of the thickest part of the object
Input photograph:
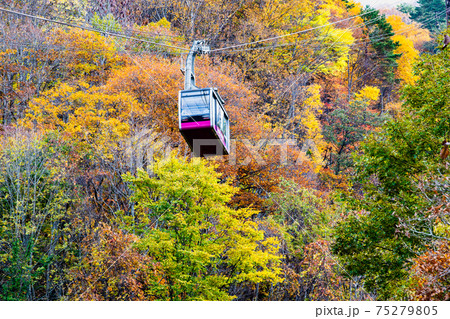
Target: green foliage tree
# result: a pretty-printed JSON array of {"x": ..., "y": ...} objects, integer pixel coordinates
[
  {"x": 202, "y": 246},
  {"x": 34, "y": 217},
  {"x": 301, "y": 213},
  {"x": 371, "y": 241},
  {"x": 346, "y": 127},
  {"x": 431, "y": 14},
  {"x": 406, "y": 8},
  {"x": 304, "y": 221},
  {"x": 108, "y": 23},
  {"x": 384, "y": 58}
]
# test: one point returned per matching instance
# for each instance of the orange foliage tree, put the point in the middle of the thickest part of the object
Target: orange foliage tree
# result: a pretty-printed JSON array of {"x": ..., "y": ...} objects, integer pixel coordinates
[
  {"x": 112, "y": 268},
  {"x": 26, "y": 66},
  {"x": 257, "y": 161},
  {"x": 431, "y": 274}
]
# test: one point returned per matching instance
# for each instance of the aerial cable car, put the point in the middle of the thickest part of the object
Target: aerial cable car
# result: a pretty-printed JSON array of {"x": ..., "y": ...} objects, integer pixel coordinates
[{"x": 202, "y": 118}]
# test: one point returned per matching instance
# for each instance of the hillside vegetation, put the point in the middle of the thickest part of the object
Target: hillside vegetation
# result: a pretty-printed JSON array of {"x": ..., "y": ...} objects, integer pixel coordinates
[{"x": 336, "y": 188}]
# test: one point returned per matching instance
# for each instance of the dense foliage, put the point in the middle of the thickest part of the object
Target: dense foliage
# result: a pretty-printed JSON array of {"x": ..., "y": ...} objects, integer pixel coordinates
[{"x": 336, "y": 187}]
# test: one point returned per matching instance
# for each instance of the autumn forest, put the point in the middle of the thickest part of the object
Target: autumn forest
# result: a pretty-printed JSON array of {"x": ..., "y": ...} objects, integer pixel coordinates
[{"x": 337, "y": 185}]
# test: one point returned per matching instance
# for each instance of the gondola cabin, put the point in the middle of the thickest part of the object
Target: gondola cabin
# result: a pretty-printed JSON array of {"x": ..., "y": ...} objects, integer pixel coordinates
[{"x": 203, "y": 122}]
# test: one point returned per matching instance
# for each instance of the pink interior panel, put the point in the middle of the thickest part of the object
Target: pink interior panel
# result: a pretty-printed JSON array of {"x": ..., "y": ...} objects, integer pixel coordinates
[{"x": 195, "y": 125}]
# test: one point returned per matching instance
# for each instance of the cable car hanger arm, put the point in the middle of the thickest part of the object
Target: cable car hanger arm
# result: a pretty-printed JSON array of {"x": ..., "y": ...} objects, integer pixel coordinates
[{"x": 198, "y": 47}]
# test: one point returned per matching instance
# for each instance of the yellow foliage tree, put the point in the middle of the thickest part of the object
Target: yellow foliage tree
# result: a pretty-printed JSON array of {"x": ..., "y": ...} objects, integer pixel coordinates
[
  {"x": 157, "y": 32},
  {"x": 309, "y": 124},
  {"x": 409, "y": 54},
  {"x": 304, "y": 51},
  {"x": 85, "y": 55},
  {"x": 202, "y": 245},
  {"x": 411, "y": 31},
  {"x": 368, "y": 93},
  {"x": 88, "y": 116}
]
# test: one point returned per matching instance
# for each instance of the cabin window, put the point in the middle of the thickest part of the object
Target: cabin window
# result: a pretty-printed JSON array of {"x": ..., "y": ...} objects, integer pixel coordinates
[
  {"x": 222, "y": 121},
  {"x": 195, "y": 106}
]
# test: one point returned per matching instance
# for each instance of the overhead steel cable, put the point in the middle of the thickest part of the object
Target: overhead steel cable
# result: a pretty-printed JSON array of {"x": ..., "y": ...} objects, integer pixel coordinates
[
  {"x": 295, "y": 33},
  {"x": 325, "y": 49},
  {"x": 115, "y": 34},
  {"x": 403, "y": 30},
  {"x": 269, "y": 47},
  {"x": 357, "y": 42}
]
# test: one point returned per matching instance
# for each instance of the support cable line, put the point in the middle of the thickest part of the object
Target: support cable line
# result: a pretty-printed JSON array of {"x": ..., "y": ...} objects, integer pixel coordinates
[
  {"x": 221, "y": 50},
  {"x": 319, "y": 38},
  {"x": 91, "y": 29},
  {"x": 295, "y": 33},
  {"x": 408, "y": 28},
  {"x": 324, "y": 50},
  {"x": 357, "y": 42}
]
